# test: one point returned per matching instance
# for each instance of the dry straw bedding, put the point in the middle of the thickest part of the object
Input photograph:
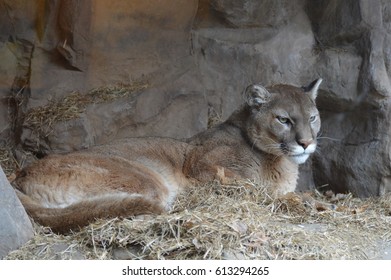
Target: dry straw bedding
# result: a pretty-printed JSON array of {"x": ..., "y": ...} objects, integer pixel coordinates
[
  {"x": 7, "y": 161},
  {"x": 42, "y": 119},
  {"x": 241, "y": 221}
]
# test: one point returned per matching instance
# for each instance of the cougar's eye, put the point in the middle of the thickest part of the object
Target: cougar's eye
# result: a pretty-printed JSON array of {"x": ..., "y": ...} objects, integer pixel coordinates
[
  {"x": 283, "y": 120},
  {"x": 313, "y": 118}
]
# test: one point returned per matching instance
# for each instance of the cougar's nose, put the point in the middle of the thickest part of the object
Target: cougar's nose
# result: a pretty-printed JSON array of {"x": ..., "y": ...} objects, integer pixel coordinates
[{"x": 305, "y": 142}]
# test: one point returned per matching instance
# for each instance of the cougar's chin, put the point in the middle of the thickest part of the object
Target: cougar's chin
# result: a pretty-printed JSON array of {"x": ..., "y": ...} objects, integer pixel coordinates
[{"x": 299, "y": 159}]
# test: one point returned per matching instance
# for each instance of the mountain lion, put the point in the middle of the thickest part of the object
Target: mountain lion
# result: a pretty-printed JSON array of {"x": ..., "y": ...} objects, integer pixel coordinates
[{"x": 265, "y": 140}]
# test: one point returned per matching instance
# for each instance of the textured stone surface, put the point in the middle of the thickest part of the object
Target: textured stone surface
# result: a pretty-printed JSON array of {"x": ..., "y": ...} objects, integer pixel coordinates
[
  {"x": 250, "y": 13},
  {"x": 59, "y": 47},
  {"x": 354, "y": 60},
  {"x": 198, "y": 57},
  {"x": 15, "y": 226}
]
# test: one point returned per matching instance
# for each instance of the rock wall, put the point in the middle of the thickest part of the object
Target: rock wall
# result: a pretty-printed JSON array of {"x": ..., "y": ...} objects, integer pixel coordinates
[
  {"x": 56, "y": 48},
  {"x": 15, "y": 225},
  {"x": 195, "y": 58},
  {"x": 354, "y": 58}
]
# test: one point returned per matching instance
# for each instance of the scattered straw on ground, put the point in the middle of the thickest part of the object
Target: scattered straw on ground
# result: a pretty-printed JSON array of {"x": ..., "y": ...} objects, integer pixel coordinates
[
  {"x": 230, "y": 222},
  {"x": 8, "y": 161},
  {"x": 42, "y": 119}
]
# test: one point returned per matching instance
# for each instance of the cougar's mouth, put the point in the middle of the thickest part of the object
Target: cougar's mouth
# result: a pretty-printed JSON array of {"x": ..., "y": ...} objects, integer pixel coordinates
[{"x": 296, "y": 154}]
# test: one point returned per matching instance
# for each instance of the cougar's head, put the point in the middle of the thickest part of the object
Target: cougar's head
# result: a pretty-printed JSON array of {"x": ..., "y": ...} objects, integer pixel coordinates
[{"x": 284, "y": 120}]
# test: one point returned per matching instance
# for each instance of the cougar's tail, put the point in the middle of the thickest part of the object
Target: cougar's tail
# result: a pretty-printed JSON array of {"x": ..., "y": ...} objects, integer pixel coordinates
[{"x": 75, "y": 216}]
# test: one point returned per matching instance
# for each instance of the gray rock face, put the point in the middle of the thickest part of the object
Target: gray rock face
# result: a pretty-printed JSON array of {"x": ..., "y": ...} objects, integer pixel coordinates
[
  {"x": 354, "y": 60},
  {"x": 15, "y": 226},
  {"x": 249, "y": 13},
  {"x": 198, "y": 57}
]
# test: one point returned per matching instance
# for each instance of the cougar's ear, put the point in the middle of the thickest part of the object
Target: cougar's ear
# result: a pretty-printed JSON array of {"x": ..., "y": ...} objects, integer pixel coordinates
[
  {"x": 256, "y": 95},
  {"x": 312, "y": 88}
]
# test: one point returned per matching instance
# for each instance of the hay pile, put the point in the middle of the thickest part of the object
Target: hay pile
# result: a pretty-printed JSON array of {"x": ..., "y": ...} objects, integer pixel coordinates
[
  {"x": 230, "y": 222},
  {"x": 41, "y": 119}
]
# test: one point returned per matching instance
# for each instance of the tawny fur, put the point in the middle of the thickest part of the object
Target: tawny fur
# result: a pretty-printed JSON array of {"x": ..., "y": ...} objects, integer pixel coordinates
[{"x": 261, "y": 141}]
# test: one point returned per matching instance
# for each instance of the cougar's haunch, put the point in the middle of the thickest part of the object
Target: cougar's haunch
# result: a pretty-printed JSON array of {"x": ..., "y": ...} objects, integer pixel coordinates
[{"x": 265, "y": 140}]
